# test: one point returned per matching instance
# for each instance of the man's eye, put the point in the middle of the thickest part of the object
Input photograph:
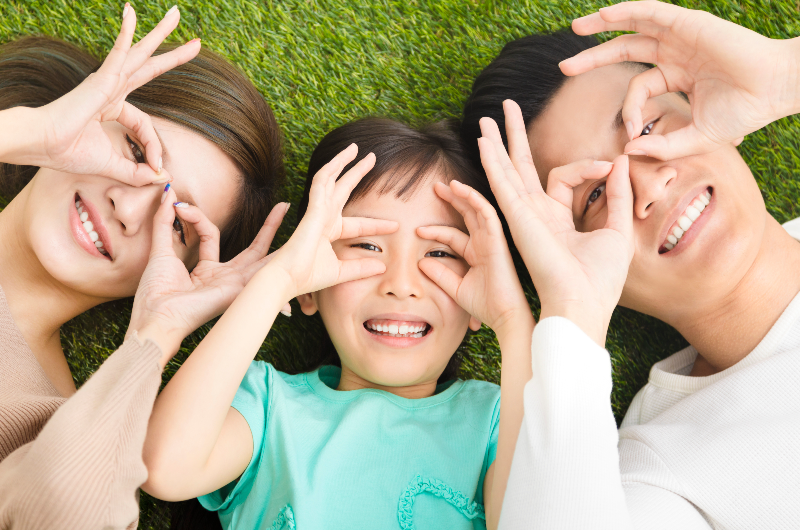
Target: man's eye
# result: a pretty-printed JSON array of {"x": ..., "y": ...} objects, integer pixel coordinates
[
  {"x": 368, "y": 246},
  {"x": 178, "y": 227},
  {"x": 438, "y": 254},
  {"x": 138, "y": 154},
  {"x": 648, "y": 128}
]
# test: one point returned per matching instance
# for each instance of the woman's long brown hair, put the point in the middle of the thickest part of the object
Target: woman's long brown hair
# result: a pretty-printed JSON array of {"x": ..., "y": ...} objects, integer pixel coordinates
[{"x": 208, "y": 95}]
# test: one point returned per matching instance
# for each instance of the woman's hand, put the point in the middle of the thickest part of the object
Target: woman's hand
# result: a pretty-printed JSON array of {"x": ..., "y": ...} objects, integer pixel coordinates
[
  {"x": 579, "y": 276},
  {"x": 170, "y": 302},
  {"x": 307, "y": 260},
  {"x": 66, "y": 135},
  {"x": 490, "y": 291},
  {"x": 737, "y": 81}
]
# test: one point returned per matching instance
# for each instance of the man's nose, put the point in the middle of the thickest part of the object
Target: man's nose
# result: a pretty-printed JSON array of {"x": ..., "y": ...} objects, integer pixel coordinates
[
  {"x": 403, "y": 278},
  {"x": 649, "y": 179},
  {"x": 133, "y": 207}
]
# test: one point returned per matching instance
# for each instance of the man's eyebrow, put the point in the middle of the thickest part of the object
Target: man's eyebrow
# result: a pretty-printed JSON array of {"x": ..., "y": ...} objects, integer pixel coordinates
[{"x": 618, "y": 124}]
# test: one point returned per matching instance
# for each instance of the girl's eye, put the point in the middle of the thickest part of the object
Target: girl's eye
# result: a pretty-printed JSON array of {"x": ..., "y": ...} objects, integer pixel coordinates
[
  {"x": 178, "y": 227},
  {"x": 648, "y": 128},
  {"x": 367, "y": 246},
  {"x": 598, "y": 191},
  {"x": 138, "y": 154},
  {"x": 438, "y": 254}
]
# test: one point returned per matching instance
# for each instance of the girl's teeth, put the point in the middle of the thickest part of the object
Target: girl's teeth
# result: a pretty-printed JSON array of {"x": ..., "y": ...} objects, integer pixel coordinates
[
  {"x": 402, "y": 330},
  {"x": 393, "y": 329},
  {"x": 684, "y": 222}
]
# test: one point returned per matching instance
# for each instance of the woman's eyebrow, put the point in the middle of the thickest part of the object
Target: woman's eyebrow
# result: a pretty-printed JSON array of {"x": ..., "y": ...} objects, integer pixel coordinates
[
  {"x": 618, "y": 123},
  {"x": 164, "y": 153}
]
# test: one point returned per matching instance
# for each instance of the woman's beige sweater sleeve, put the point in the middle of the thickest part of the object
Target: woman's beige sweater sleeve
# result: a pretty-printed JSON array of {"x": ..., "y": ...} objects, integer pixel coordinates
[{"x": 84, "y": 469}]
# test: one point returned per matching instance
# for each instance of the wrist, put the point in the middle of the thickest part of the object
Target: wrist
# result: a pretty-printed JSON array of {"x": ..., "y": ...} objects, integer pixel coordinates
[
  {"x": 519, "y": 323},
  {"x": 592, "y": 321},
  {"x": 168, "y": 339},
  {"x": 277, "y": 281},
  {"x": 21, "y": 139},
  {"x": 787, "y": 86}
]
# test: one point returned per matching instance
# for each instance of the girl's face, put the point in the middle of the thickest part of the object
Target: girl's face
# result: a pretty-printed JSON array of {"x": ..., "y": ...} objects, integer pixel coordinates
[
  {"x": 121, "y": 215},
  {"x": 397, "y": 328}
]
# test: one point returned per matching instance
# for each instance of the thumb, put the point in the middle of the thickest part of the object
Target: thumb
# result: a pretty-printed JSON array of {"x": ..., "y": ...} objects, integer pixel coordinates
[
  {"x": 619, "y": 195},
  {"x": 357, "y": 269},
  {"x": 162, "y": 225},
  {"x": 676, "y": 144}
]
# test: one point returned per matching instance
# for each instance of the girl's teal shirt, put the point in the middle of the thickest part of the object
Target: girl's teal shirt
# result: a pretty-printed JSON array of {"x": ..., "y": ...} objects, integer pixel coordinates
[{"x": 367, "y": 459}]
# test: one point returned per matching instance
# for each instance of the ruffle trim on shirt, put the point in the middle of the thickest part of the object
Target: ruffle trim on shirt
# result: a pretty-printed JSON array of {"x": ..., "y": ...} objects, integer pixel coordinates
[
  {"x": 405, "y": 510},
  {"x": 285, "y": 519}
]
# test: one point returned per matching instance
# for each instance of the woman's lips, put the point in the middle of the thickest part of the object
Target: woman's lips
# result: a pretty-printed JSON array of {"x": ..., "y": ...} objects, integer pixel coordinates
[
  {"x": 688, "y": 223},
  {"x": 87, "y": 228}
]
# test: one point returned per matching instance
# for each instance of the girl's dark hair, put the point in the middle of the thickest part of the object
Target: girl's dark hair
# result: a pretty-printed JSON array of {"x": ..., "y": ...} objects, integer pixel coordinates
[
  {"x": 526, "y": 71},
  {"x": 405, "y": 158},
  {"x": 208, "y": 95}
]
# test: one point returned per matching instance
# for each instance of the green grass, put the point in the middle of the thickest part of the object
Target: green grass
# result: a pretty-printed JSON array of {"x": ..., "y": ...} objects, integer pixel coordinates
[{"x": 321, "y": 64}]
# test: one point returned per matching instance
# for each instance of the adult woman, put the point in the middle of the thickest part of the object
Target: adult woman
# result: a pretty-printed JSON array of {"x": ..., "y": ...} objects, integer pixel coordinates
[
  {"x": 79, "y": 233},
  {"x": 710, "y": 441}
]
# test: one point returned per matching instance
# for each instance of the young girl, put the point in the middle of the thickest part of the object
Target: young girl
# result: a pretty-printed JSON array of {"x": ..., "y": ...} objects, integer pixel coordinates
[{"x": 389, "y": 439}]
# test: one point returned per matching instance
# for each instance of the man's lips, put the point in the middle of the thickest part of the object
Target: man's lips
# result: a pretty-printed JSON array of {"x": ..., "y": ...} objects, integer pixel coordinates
[
  {"x": 88, "y": 228},
  {"x": 686, "y": 219}
]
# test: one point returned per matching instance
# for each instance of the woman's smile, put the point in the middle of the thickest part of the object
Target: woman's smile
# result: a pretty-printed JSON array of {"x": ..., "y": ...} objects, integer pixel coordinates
[{"x": 88, "y": 228}]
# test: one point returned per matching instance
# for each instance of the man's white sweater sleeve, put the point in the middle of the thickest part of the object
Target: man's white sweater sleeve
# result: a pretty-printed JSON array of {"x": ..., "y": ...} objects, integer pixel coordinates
[{"x": 565, "y": 473}]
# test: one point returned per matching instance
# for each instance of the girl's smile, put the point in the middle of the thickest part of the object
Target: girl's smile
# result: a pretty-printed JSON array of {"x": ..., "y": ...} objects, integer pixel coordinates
[{"x": 397, "y": 330}]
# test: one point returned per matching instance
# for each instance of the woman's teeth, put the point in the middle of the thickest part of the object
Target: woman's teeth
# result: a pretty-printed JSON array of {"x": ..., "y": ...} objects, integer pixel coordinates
[
  {"x": 89, "y": 227},
  {"x": 685, "y": 221},
  {"x": 397, "y": 329}
]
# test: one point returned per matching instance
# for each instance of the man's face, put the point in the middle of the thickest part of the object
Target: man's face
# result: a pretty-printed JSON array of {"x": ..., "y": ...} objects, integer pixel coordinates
[{"x": 714, "y": 250}]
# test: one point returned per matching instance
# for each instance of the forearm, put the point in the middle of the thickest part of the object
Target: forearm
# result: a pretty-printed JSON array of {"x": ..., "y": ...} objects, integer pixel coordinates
[
  {"x": 786, "y": 95},
  {"x": 19, "y": 135},
  {"x": 515, "y": 348},
  {"x": 189, "y": 414}
]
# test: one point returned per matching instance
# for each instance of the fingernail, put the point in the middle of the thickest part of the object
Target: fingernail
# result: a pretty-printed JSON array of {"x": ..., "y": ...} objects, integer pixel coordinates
[
  {"x": 286, "y": 313},
  {"x": 193, "y": 40},
  {"x": 171, "y": 9},
  {"x": 629, "y": 129},
  {"x": 180, "y": 205},
  {"x": 160, "y": 165},
  {"x": 636, "y": 152},
  {"x": 164, "y": 195},
  {"x": 602, "y": 163},
  {"x": 125, "y": 10},
  {"x": 162, "y": 181}
]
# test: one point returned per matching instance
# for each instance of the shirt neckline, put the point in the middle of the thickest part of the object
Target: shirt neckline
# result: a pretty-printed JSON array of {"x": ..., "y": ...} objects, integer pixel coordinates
[{"x": 317, "y": 381}]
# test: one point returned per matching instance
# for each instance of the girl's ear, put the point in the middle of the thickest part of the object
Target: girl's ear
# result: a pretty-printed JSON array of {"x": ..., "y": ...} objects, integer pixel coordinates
[
  {"x": 307, "y": 304},
  {"x": 474, "y": 323}
]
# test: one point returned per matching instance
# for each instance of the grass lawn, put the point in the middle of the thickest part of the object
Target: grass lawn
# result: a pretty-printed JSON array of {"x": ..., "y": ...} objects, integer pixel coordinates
[{"x": 321, "y": 64}]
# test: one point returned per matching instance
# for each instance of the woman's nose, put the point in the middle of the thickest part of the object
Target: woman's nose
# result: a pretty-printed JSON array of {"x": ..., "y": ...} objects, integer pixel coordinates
[
  {"x": 134, "y": 208},
  {"x": 649, "y": 182}
]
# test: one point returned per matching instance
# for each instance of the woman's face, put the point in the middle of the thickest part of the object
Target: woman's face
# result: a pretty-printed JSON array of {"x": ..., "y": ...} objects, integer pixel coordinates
[
  {"x": 714, "y": 251},
  {"x": 397, "y": 328},
  {"x": 121, "y": 216}
]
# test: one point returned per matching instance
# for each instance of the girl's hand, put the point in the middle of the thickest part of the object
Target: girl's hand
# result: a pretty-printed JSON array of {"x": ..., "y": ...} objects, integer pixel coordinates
[
  {"x": 490, "y": 291},
  {"x": 170, "y": 302},
  {"x": 68, "y": 134},
  {"x": 579, "y": 276},
  {"x": 307, "y": 259},
  {"x": 737, "y": 80}
]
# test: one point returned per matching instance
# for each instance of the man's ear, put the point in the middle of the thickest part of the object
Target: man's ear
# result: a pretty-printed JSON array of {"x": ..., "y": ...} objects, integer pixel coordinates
[
  {"x": 307, "y": 304},
  {"x": 474, "y": 323}
]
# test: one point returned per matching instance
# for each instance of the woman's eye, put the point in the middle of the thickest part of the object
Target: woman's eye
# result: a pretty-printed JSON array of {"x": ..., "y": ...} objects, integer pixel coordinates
[
  {"x": 368, "y": 246},
  {"x": 598, "y": 191},
  {"x": 138, "y": 154},
  {"x": 178, "y": 227},
  {"x": 648, "y": 128},
  {"x": 438, "y": 254}
]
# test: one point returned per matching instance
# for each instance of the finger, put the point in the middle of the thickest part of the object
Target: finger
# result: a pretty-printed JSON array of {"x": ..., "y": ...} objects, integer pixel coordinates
[
  {"x": 141, "y": 124},
  {"x": 491, "y": 132},
  {"x": 460, "y": 204},
  {"x": 502, "y": 188},
  {"x": 649, "y": 18},
  {"x": 562, "y": 180},
  {"x": 452, "y": 237},
  {"x": 162, "y": 226},
  {"x": 116, "y": 57},
  {"x": 519, "y": 150},
  {"x": 155, "y": 66},
  {"x": 641, "y": 87},
  {"x": 636, "y": 48},
  {"x": 260, "y": 245},
  {"x": 738, "y": 141},
  {"x": 441, "y": 275},
  {"x": 676, "y": 144},
  {"x": 286, "y": 310},
  {"x": 347, "y": 183},
  {"x": 326, "y": 176},
  {"x": 483, "y": 210},
  {"x": 619, "y": 195},
  {"x": 594, "y": 23},
  {"x": 365, "y": 226},
  {"x": 143, "y": 49},
  {"x": 120, "y": 168},
  {"x": 206, "y": 230},
  {"x": 357, "y": 269}
]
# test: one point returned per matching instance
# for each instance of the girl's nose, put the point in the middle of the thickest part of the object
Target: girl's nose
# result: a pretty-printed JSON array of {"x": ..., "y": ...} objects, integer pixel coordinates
[
  {"x": 402, "y": 279},
  {"x": 134, "y": 208}
]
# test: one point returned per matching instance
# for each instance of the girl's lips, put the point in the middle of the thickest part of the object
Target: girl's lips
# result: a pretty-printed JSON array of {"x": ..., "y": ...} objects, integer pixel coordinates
[
  {"x": 398, "y": 331},
  {"x": 80, "y": 234}
]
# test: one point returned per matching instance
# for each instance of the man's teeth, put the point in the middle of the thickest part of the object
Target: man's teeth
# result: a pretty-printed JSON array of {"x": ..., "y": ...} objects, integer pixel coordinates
[
  {"x": 398, "y": 330},
  {"x": 685, "y": 221},
  {"x": 89, "y": 227}
]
